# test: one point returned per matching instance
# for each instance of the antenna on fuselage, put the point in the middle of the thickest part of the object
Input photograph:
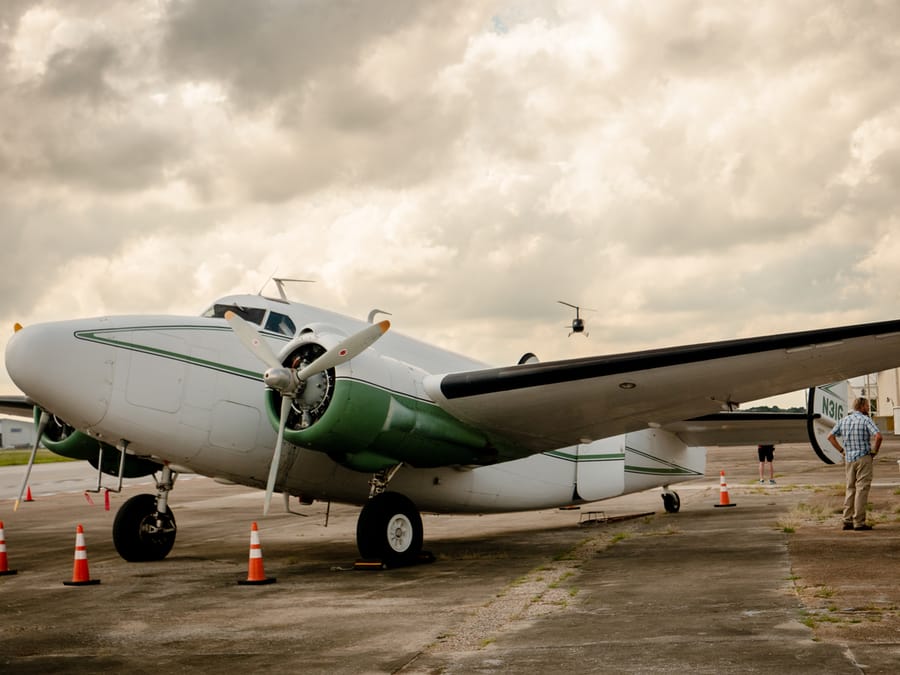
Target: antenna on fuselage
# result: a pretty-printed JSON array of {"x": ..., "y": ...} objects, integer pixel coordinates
[
  {"x": 372, "y": 314},
  {"x": 279, "y": 283}
]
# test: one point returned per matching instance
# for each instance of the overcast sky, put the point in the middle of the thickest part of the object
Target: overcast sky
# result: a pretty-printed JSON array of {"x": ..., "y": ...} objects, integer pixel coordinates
[{"x": 692, "y": 171}]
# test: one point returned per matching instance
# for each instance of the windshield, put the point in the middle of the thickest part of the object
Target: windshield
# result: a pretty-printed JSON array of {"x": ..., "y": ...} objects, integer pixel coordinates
[
  {"x": 279, "y": 323},
  {"x": 251, "y": 314},
  {"x": 275, "y": 322}
]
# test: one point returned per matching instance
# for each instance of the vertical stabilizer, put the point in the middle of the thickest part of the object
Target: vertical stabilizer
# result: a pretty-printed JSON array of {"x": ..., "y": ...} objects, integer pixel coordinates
[{"x": 828, "y": 403}]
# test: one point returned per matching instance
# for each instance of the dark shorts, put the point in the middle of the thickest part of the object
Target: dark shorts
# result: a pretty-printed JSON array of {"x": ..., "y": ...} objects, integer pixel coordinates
[{"x": 766, "y": 453}]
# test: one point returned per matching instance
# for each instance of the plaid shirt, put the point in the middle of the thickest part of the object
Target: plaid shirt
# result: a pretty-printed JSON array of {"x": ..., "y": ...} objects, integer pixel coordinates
[{"x": 856, "y": 430}]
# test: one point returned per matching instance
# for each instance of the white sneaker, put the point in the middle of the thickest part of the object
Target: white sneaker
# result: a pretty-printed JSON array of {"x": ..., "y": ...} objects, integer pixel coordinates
[
  {"x": 771, "y": 482},
  {"x": 762, "y": 482}
]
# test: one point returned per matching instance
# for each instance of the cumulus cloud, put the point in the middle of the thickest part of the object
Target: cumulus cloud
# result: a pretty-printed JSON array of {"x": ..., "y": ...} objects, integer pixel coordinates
[{"x": 689, "y": 170}]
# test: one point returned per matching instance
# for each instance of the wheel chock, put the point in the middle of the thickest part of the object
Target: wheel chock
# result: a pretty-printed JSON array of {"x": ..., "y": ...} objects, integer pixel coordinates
[
  {"x": 370, "y": 565},
  {"x": 377, "y": 564}
]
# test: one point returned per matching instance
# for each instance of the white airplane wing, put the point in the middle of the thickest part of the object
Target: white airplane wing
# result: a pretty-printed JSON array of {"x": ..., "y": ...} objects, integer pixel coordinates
[{"x": 542, "y": 406}]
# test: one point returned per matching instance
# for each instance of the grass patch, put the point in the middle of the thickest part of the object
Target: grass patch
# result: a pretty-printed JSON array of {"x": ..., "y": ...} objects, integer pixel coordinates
[
  {"x": 787, "y": 525},
  {"x": 19, "y": 457},
  {"x": 565, "y": 576},
  {"x": 670, "y": 530}
]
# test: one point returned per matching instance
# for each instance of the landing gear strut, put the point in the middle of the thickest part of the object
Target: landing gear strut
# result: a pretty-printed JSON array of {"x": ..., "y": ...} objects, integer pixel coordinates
[
  {"x": 390, "y": 529},
  {"x": 144, "y": 528},
  {"x": 671, "y": 500}
]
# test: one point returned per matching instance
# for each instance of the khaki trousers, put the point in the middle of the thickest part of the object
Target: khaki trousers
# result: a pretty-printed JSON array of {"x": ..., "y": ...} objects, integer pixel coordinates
[{"x": 858, "y": 477}]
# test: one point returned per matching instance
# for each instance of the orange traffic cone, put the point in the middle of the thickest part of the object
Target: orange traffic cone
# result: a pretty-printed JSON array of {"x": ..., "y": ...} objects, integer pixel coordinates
[
  {"x": 80, "y": 574},
  {"x": 255, "y": 573},
  {"x": 28, "y": 497},
  {"x": 4, "y": 563},
  {"x": 723, "y": 492}
]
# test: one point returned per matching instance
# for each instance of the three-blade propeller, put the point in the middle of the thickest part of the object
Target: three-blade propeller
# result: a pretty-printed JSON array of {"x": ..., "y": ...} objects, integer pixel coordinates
[{"x": 288, "y": 381}]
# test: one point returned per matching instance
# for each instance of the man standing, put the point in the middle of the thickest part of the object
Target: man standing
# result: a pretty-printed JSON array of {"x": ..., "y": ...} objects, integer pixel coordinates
[
  {"x": 857, "y": 430},
  {"x": 766, "y": 456}
]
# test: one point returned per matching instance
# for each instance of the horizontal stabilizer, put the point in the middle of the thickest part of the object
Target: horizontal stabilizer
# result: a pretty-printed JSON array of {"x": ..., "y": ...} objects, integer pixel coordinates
[{"x": 826, "y": 404}]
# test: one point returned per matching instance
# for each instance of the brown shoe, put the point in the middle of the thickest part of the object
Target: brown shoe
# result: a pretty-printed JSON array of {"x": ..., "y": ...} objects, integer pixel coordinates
[
  {"x": 863, "y": 527},
  {"x": 847, "y": 526}
]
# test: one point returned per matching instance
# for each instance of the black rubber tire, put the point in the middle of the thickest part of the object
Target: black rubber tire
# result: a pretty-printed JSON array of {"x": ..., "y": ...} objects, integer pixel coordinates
[
  {"x": 671, "y": 502},
  {"x": 131, "y": 536},
  {"x": 390, "y": 529}
]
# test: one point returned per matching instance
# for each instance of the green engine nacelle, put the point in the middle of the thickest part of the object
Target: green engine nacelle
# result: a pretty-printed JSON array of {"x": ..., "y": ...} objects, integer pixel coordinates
[
  {"x": 368, "y": 429},
  {"x": 67, "y": 442}
]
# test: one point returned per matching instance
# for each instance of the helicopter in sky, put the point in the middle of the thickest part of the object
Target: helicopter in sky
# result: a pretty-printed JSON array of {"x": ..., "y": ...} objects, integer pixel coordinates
[{"x": 577, "y": 322}]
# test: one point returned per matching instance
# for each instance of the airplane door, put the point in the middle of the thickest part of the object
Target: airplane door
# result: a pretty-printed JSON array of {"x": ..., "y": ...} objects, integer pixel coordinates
[{"x": 600, "y": 469}]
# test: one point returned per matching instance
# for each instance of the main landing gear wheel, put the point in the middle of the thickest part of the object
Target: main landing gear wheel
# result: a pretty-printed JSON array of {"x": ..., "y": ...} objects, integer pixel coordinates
[
  {"x": 390, "y": 529},
  {"x": 140, "y": 534},
  {"x": 671, "y": 502}
]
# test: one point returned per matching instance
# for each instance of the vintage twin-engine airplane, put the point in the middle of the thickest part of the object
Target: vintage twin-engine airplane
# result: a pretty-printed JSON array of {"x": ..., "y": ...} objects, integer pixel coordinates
[{"x": 346, "y": 410}]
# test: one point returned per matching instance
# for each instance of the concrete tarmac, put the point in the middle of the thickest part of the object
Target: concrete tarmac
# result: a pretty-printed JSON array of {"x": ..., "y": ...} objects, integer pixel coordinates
[{"x": 707, "y": 590}]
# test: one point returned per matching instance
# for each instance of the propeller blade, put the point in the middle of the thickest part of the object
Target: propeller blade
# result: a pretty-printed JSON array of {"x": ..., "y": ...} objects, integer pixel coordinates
[
  {"x": 346, "y": 349},
  {"x": 276, "y": 457},
  {"x": 252, "y": 340},
  {"x": 42, "y": 426}
]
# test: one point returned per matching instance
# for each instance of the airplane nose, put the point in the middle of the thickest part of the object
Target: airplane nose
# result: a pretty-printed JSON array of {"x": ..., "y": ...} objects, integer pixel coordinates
[{"x": 69, "y": 377}]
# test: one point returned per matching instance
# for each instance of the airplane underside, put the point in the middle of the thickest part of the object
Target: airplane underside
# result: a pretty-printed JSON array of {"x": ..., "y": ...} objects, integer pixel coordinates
[{"x": 390, "y": 527}]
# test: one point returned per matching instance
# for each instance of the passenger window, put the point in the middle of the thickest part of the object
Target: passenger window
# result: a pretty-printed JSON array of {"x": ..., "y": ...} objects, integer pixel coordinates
[{"x": 279, "y": 323}]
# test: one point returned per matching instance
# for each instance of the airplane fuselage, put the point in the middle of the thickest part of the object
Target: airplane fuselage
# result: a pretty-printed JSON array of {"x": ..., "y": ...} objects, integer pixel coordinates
[
  {"x": 184, "y": 392},
  {"x": 305, "y": 402}
]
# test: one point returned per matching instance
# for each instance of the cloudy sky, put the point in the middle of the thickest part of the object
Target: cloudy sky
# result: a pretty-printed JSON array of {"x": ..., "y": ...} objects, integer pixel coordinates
[{"x": 691, "y": 171}]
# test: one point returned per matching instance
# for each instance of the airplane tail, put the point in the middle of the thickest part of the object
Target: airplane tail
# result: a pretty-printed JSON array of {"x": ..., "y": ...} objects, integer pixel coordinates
[{"x": 827, "y": 404}]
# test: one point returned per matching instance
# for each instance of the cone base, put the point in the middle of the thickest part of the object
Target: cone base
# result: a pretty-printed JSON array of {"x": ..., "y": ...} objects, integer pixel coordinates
[
  {"x": 6, "y": 572},
  {"x": 719, "y": 506},
  {"x": 89, "y": 582},
  {"x": 256, "y": 582}
]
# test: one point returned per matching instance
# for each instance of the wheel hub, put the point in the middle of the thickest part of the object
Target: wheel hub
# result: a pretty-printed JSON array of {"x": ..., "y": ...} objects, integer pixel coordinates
[{"x": 400, "y": 533}]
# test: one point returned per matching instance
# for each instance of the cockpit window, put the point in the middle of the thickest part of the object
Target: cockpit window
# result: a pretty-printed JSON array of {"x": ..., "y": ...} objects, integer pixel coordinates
[
  {"x": 251, "y": 314},
  {"x": 279, "y": 323}
]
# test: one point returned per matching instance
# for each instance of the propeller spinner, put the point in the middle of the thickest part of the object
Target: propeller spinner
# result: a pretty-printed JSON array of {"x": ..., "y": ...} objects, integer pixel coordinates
[{"x": 289, "y": 382}]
